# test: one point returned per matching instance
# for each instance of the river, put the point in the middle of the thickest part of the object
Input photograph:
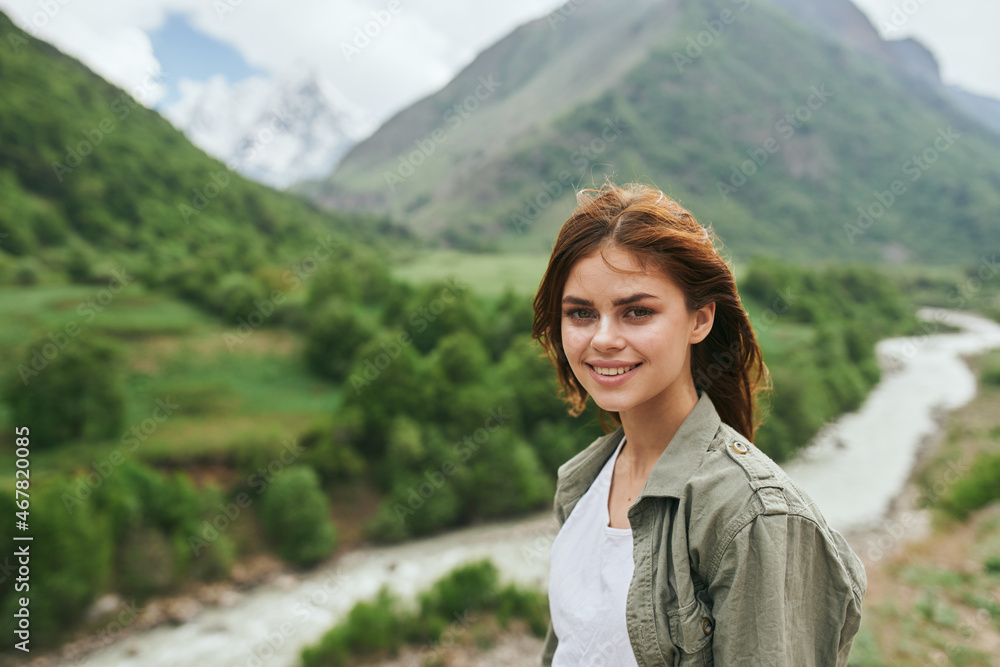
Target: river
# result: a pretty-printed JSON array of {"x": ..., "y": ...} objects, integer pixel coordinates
[{"x": 853, "y": 470}]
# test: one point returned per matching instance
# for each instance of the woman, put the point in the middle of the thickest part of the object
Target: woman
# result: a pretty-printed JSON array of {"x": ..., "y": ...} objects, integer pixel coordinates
[{"x": 681, "y": 542}]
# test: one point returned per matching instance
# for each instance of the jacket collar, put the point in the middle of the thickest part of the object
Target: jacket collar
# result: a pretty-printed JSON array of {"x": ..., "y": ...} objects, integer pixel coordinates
[
  {"x": 685, "y": 451},
  {"x": 672, "y": 470}
]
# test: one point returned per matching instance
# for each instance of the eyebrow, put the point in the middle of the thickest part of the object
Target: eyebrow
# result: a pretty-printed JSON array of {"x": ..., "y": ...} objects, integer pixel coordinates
[{"x": 624, "y": 301}]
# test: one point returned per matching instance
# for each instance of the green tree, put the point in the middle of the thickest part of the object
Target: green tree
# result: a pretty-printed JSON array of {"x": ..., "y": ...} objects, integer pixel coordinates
[
  {"x": 459, "y": 358},
  {"x": 506, "y": 477},
  {"x": 296, "y": 516},
  {"x": 77, "y": 394},
  {"x": 439, "y": 309},
  {"x": 72, "y": 569},
  {"x": 356, "y": 276},
  {"x": 511, "y": 317},
  {"x": 237, "y": 295},
  {"x": 388, "y": 378},
  {"x": 529, "y": 380},
  {"x": 335, "y": 333}
]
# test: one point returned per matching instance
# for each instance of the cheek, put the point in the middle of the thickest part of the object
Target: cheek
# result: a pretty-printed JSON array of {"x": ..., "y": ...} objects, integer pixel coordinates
[
  {"x": 573, "y": 341},
  {"x": 665, "y": 344}
]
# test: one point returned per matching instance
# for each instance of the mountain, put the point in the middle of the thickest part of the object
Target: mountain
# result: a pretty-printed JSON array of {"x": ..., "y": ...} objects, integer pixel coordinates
[
  {"x": 788, "y": 143},
  {"x": 984, "y": 109},
  {"x": 838, "y": 21},
  {"x": 92, "y": 182},
  {"x": 275, "y": 130}
]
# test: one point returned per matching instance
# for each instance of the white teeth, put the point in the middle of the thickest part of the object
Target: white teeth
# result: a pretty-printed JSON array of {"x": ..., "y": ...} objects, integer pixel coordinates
[{"x": 613, "y": 371}]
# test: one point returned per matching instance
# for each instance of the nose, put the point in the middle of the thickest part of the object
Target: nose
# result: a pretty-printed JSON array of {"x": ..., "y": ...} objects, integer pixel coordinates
[{"x": 607, "y": 336}]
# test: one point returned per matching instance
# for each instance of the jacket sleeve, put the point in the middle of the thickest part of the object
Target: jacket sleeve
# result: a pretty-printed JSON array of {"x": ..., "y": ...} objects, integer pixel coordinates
[{"x": 786, "y": 593}]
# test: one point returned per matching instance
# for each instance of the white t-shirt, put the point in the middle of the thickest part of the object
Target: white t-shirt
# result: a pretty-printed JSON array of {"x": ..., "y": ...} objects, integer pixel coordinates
[{"x": 590, "y": 569}]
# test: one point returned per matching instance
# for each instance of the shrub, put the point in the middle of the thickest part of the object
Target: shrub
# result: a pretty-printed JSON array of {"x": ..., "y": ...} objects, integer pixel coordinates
[
  {"x": 506, "y": 478},
  {"x": 335, "y": 333},
  {"x": 415, "y": 507},
  {"x": 29, "y": 272},
  {"x": 437, "y": 310},
  {"x": 205, "y": 553},
  {"x": 72, "y": 569},
  {"x": 558, "y": 442},
  {"x": 331, "y": 455},
  {"x": 532, "y": 606},
  {"x": 991, "y": 376},
  {"x": 459, "y": 358},
  {"x": 388, "y": 378},
  {"x": 977, "y": 488},
  {"x": 360, "y": 276},
  {"x": 382, "y": 625},
  {"x": 468, "y": 587},
  {"x": 152, "y": 518},
  {"x": 296, "y": 516},
  {"x": 236, "y": 296},
  {"x": 136, "y": 494},
  {"x": 534, "y": 393},
  {"x": 78, "y": 394},
  {"x": 370, "y": 627}
]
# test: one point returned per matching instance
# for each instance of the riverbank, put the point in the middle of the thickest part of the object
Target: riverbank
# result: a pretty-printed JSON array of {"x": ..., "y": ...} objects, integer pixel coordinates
[{"x": 934, "y": 593}]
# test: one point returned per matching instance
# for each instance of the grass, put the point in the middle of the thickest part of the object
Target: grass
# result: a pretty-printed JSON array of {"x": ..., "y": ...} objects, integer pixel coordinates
[
  {"x": 132, "y": 312},
  {"x": 487, "y": 274},
  {"x": 258, "y": 391},
  {"x": 247, "y": 382}
]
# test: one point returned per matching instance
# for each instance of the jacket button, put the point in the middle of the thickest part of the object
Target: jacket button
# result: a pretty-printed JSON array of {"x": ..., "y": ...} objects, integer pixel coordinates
[
  {"x": 706, "y": 626},
  {"x": 740, "y": 448}
]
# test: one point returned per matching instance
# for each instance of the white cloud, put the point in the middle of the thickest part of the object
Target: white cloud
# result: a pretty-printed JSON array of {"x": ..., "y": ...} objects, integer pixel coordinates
[{"x": 416, "y": 51}]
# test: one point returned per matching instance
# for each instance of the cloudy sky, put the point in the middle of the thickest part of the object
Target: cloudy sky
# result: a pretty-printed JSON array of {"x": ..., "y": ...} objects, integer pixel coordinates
[{"x": 415, "y": 46}]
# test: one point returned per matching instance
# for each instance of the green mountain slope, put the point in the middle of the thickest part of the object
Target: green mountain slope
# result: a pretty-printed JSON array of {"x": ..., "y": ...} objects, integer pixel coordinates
[
  {"x": 90, "y": 181},
  {"x": 772, "y": 135}
]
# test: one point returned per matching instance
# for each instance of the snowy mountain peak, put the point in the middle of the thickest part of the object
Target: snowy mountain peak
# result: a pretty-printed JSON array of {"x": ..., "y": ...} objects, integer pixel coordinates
[{"x": 276, "y": 130}]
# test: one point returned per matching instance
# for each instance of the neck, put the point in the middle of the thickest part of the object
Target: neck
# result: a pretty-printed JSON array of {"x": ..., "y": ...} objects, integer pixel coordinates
[{"x": 650, "y": 427}]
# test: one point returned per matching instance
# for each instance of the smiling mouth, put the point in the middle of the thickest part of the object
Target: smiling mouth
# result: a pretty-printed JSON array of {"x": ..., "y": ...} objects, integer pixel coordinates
[{"x": 611, "y": 372}]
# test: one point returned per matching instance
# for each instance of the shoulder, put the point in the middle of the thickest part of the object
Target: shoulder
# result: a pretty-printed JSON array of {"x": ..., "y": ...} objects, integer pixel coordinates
[
  {"x": 735, "y": 485},
  {"x": 735, "y": 472}
]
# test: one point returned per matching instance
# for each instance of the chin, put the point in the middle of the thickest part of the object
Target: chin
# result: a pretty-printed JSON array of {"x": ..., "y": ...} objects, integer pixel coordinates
[{"x": 609, "y": 404}]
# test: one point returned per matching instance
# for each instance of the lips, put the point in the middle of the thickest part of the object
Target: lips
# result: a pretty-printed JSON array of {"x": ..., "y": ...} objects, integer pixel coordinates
[
  {"x": 609, "y": 374},
  {"x": 611, "y": 371}
]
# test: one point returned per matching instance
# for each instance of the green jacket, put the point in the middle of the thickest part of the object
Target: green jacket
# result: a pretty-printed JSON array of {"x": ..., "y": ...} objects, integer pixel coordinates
[{"x": 734, "y": 565}]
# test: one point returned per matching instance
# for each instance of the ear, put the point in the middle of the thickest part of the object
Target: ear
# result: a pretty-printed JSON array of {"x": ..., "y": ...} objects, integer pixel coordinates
[{"x": 704, "y": 317}]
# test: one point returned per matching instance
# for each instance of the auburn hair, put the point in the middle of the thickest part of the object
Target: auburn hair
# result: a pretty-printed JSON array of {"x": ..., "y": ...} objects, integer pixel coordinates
[{"x": 661, "y": 235}]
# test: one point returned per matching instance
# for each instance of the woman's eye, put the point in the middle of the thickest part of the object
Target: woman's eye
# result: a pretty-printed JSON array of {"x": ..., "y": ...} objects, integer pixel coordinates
[{"x": 637, "y": 313}]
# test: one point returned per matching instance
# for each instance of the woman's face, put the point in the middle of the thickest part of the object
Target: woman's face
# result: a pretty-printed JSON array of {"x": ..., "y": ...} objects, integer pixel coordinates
[{"x": 628, "y": 335}]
